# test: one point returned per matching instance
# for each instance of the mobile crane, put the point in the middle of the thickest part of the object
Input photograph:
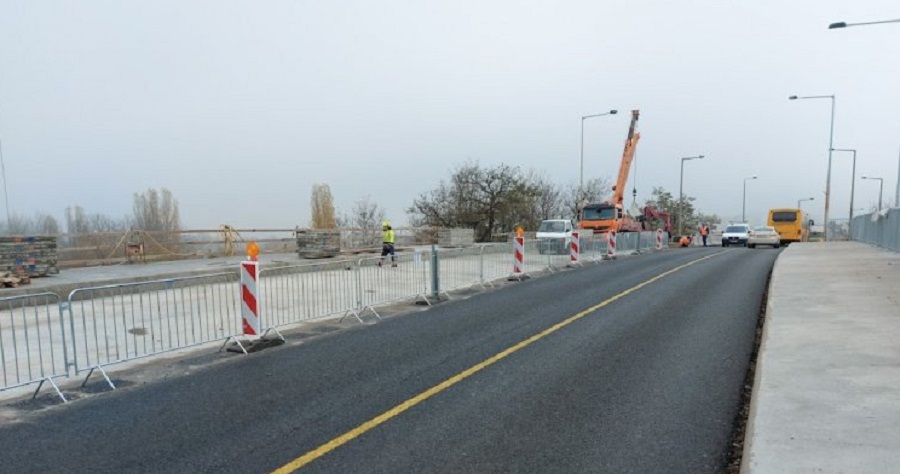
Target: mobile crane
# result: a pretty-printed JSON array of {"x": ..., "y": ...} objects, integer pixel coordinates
[{"x": 611, "y": 214}]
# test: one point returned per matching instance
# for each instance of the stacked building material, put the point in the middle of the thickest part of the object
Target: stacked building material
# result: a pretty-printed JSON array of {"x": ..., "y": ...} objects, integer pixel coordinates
[
  {"x": 318, "y": 243},
  {"x": 29, "y": 256},
  {"x": 456, "y": 237}
]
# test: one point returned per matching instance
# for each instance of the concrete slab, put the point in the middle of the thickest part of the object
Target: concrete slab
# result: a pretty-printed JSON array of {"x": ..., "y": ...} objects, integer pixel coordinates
[{"x": 827, "y": 390}]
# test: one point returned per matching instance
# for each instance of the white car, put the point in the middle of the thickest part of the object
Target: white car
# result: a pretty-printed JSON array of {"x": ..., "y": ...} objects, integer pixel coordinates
[
  {"x": 764, "y": 235},
  {"x": 736, "y": 234},
  {"x": 554, "y": 236}
]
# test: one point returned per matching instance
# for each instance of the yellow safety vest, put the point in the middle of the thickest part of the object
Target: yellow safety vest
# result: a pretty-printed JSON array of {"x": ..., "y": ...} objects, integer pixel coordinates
[{"x": 388, "y": 236}]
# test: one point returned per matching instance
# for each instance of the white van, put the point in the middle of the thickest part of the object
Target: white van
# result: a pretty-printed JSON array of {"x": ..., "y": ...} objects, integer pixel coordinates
[{"x": 554, "y": 236}]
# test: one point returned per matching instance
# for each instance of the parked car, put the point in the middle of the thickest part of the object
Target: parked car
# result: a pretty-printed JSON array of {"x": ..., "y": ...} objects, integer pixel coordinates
[
  {"x": 764, "y": 235},
  {"x": 735, "y": 234},
  {"x": 554, "y": 236}
]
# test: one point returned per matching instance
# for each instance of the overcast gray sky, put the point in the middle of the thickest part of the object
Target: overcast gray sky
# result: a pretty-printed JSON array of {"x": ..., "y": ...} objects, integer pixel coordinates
[{"x": 239, "y": 107}]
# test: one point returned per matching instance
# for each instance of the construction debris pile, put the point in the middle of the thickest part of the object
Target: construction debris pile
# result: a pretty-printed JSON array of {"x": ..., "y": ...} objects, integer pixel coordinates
[
  {"x": 9, "y": 280},
  {"x": 28, "y": 257},
  {"x": 318, "y": 243}
]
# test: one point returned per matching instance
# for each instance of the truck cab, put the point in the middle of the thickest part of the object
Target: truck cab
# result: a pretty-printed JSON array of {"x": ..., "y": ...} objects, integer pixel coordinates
[{"x": 606, "y": 216}]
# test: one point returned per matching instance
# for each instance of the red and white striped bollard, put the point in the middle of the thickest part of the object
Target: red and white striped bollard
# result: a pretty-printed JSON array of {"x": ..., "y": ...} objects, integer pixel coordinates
[
  {"x": 574, "y": 249},
  {"x": 519, "y": 256},
  {"x": 611, "y": 243},
  {"x": 250, "y": 320}
]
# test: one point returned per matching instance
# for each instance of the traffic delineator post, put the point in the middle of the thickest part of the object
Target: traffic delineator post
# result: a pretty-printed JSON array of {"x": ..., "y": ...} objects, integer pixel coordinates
[
  {"x": 250, "y": 299},
  {"x": 659, "y": 239},
  {"x": 251, "y": 318},
  {"x": 611, "y": 244},
  {"x": 574, "y": 249},
  {"x": 518, "y": 272}
]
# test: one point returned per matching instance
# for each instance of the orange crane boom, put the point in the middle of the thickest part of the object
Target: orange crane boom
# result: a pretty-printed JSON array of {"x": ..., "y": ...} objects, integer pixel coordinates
[
  {"x": 611, "y": 214},
  {"x": 618, "y": 197}
]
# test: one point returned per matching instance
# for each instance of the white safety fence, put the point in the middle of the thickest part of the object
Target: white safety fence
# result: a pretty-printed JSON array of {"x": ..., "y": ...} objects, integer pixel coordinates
[
  {"x": 290, "y": 295},
  {"x": 42, "y": 337},
  {"x": 117, "y": 323},
  {"x": 32, "y": 341}
]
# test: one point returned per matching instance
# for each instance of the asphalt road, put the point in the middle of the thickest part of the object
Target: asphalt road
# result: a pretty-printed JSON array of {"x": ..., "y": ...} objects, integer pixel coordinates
[{"x": 648, "y": 380}]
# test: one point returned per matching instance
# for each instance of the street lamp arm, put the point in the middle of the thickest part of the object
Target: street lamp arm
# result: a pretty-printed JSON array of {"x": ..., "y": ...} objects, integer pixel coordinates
[
  {"x": 581, "y": 172},
  {"x": 611, "y": 112},
  {"x": 844, "y": 24},
  {"x": 830, "y": 151},
  {"x": 795, "y": 97}
]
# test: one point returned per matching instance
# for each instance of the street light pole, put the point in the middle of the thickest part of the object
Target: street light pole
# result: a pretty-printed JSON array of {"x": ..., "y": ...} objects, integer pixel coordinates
[
  {"x": 5, "y": 193},
  {"x": 852, "y": 185},
  {"x": 801, "y": 200},
  {"x": 844, "y": 24},
  {"x": 581, "y": 173},
  {"x": 880, "y": 188},
  {"x": 681, "y": 193},
  {"x": 830, "y": 147},
  {"x": 744, "y": 205}
]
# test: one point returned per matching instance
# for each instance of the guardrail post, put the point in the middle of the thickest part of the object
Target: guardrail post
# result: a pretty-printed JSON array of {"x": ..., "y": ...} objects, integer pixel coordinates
[
  {"x": 63, "y": 307},
  {"x": 435, "y": 274},
  {"x": 481, "y": 266}
]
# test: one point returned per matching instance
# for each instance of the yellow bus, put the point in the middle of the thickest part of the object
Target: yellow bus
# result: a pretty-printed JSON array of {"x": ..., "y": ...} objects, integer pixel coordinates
[{"x": 789, "y": 224}]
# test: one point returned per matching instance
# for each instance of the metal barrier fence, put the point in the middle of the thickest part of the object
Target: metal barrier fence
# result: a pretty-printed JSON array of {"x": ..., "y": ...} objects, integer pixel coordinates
[
  {"x": 636, "y": 241},
  {"x": 290, "y": 295},
  {"x": 118, "y": 323},
  {"x": 382, "y": 281},
  {"x": 497, "y": 261},
  {"x": 460, "y": 268},
  {"x": 880, "y": 228},
  {"x": 32, "y": 341}
]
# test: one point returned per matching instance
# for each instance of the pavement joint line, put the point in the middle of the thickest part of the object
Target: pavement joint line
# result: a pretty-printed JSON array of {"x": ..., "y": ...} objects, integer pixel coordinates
[{"x": 354, "y": 433}]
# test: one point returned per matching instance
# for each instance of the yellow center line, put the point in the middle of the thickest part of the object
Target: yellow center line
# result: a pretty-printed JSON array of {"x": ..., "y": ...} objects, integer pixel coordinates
[{"x": 406, "y": 405}]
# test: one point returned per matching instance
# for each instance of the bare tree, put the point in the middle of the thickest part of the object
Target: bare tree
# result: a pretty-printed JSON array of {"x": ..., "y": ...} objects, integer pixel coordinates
[
  {"x": 549, "y": 202},
  {"x": 40, "y": 224},
  {"x": 367, "y": 217},
  {"x": 595, "y": 190},
  {"x": 156, "y": 211},
  {"x": 45, "y": 224},
  {"x": 18, "y": 224},
  {"x": 76, "y": 220},
  {"x": 323, "y": 215},
  {"x": 102, "y": 223},
  {"x": 487, "y": 200}
]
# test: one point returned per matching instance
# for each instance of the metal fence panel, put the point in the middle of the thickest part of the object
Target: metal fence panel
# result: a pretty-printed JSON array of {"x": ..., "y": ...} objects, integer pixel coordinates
[
  {"x": 648, "y": 240},
  {"x": 293, "y": 294},
  {"x": 406, "y": 277},
  {"x": 32, "y": 340},
  {"x": 459, "y": 268},
  {"x": 595, "y": 246},
  {"x": 497, "y": 261},
  {"x": 116, "y": 323},
  {"x": 879, "y": 228}
]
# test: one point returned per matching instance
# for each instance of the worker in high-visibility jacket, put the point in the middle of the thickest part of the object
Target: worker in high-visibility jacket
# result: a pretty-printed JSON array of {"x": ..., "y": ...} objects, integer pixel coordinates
[
  {"x": 685, "y": 241},
  {"x": 387, "y": 243},
  {"x": 704, "y": 232}
]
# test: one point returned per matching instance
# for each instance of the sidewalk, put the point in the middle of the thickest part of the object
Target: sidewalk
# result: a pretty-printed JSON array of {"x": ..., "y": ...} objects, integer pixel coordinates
[{"x": 827, "y": 391}]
